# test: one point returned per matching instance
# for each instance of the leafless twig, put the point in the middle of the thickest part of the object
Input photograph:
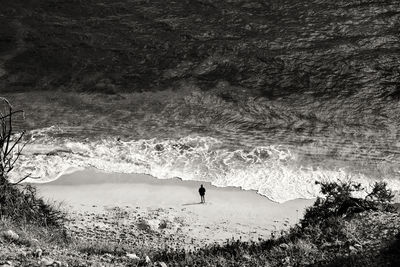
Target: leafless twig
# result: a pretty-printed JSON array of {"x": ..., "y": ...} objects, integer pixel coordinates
[{"x": 11, "y": 143}]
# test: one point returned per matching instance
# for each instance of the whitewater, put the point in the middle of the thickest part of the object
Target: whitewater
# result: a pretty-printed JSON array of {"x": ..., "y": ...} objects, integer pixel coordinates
[{"x": 273, "y": 171}]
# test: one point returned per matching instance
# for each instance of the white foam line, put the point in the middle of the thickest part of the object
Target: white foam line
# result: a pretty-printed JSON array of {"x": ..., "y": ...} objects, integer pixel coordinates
[{"x": 270, "y": 170}]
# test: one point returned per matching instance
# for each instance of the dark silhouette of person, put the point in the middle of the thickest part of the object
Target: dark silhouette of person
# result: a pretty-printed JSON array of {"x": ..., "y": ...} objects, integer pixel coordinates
[{"x": 202, "y": 192}]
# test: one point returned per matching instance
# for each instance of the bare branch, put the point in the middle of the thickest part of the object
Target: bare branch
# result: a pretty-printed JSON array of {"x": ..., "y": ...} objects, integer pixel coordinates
[
  {"x": 26, "y": 177},
  {"x": 6, "y": 101},
  {"x": 10, "y": 114},
  {"x": 15, "y": 143},
  {"x": 9, "y": 130},
  {"x": 10, "y": 143}
]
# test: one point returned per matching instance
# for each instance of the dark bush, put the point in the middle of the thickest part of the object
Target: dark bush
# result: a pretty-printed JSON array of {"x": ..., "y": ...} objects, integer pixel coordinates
[{"x": 338, "y": 200}]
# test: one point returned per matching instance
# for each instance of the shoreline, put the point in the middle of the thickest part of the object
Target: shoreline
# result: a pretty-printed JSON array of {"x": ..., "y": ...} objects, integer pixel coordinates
[{"x": 168, "y": 209}]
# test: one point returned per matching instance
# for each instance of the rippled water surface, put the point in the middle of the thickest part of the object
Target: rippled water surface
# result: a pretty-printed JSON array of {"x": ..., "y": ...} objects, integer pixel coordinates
[{"x": 278, "y": 147}]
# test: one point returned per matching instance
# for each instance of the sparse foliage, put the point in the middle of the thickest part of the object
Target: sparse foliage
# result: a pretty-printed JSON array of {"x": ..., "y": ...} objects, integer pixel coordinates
[
  {"x": 21, "y": 204},
  {"x": 380, "y": 193},
  {"x": 11, "y": 144}
]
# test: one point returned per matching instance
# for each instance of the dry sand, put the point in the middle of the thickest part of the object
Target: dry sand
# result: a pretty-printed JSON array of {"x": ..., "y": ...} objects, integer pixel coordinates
[{"x": 167, "y": 210}]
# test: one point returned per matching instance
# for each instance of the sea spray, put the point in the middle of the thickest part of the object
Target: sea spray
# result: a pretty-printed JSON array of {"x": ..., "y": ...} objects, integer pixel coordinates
[{"x": 273, "y": 171}]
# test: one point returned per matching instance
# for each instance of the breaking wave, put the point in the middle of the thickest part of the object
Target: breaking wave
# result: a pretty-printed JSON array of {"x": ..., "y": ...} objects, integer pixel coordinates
[{"x": 273, "y": 171}]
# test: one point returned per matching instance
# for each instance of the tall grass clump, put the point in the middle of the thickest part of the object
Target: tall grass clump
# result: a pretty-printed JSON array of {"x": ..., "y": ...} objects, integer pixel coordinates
[{"x": 22, "y": 205}]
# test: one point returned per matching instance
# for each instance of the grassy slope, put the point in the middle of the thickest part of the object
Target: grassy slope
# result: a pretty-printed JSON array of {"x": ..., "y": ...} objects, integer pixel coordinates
[{"x": 368, "y": 239}]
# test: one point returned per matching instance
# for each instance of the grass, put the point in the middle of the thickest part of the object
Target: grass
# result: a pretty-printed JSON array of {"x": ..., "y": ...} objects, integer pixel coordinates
[
  {"x": 22, "y": 205},
  {"x": 301, "y": 249},
  {"x": 31, "y": 235},
  {"x": 33, "y": 222},
  {"x": 101, "y": 248}
]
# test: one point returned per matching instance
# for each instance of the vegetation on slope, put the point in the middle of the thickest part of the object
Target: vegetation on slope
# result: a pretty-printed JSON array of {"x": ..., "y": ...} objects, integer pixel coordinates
[
  {"x": 338, "y": 230},
  {"x": 26, "y": 219}
]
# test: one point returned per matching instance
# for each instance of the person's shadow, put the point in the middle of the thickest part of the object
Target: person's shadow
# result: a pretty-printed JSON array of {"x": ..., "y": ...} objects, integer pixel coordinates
[{"x": 191, "y": 204}]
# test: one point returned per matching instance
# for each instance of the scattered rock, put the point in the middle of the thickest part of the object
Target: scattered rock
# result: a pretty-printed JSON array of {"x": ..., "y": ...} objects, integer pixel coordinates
[
  {"x": 284, "y": 246},
  {"x": 11, "y": 235},
  {"x": 132, "y": 256},
  {"x": 107, "y": 255},
  {"x": 22, "y": 254},
  {"x": 337, "y": 243},
  {"x": 247, "y": 257},
  {"x": 352, "y": 249},
  {"x": 46, "y": 262},
  {"x": 37, "y": 253},
  {"x": 286, "y": 260},
  {"x": 147, "y": 259},
  {"x": 163, "y": 225}
]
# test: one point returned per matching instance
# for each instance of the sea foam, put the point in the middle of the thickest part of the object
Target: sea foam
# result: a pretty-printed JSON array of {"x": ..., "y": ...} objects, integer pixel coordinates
[{"x": 273, "y": 171}]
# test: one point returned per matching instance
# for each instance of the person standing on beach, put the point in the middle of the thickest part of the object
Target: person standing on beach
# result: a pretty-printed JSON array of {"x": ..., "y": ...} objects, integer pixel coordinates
[{"x": 202, "y": 192}]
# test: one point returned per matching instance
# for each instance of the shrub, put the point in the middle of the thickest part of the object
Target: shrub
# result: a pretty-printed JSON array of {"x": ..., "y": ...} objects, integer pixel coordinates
[
  {"x": 338, "y": 200},
  {"x": 380, "y": 193}
]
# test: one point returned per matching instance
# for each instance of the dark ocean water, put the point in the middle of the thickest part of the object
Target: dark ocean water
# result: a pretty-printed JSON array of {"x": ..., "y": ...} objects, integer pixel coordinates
[{"x": 277, "y": 147}]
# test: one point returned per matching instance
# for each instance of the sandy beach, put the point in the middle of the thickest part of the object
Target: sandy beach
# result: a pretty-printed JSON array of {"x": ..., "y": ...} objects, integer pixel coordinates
[{"x": 138, "y": 208}]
